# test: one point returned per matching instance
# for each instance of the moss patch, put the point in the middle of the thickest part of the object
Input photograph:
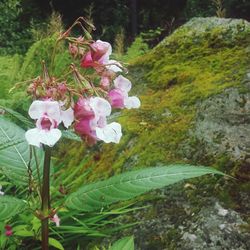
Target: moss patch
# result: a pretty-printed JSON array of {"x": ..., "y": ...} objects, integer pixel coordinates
[{"x": 189, "y": 66}]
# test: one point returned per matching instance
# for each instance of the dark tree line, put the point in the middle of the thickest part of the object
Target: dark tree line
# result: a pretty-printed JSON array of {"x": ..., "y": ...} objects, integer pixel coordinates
[
  {"x": 134, "y": 15},
  {"x": 109, "y": 16}
]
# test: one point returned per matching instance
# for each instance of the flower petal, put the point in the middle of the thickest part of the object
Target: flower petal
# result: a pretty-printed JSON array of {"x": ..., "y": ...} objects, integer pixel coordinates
[
  {"x": 67, "y": 117},
  {"x": 122, "y": 83},
  {"x": 100, "y": 106},
  {"x": 114, "y": 66},
  {"x": 116, "y": 98},
  {"x": 110, "y": 133},
  {"x": 50, "y": 137},
  {"x": 37, "y": 136},
  {"x": 132, "y": 102},
  {"x": 102, "y": 48},
  {"x": 33, "y": 137},
  {"x": 39, "y": 108},
  {"x": 87, "y": 61}
]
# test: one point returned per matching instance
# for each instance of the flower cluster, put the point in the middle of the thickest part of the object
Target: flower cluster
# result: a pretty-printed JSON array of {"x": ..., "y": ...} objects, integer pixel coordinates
[{"x": 83, "y": 102}]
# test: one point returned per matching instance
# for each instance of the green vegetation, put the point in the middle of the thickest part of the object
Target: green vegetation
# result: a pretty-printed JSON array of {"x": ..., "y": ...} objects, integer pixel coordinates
[{"x": 187, "y": 67}]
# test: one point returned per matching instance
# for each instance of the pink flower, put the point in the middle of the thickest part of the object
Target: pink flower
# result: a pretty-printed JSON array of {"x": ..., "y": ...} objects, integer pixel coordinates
[
  {"x": 92, "y": 124},
  {"x": 119, "y": 95},
  {"x": 99, "y": 54},
  {"x": 56, "y": 220},
  {"x": 48, "y": 115},
  {"x": 116, "y": 97},
  {"x": 82, "y": 109},
  {"x": 8, "y": 231}
]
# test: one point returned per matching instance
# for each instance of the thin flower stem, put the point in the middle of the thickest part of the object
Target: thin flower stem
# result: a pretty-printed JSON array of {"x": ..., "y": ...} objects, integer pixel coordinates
[
  {"x": 54, "y": 54},
  {"x": 38, "y": 171},
  {"x": 46, "y": 198},
  {"x": 30, "y": 172}
]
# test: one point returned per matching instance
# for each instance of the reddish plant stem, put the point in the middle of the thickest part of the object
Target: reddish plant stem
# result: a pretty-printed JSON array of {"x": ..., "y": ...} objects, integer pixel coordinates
[{"x": 46, "y": 198}]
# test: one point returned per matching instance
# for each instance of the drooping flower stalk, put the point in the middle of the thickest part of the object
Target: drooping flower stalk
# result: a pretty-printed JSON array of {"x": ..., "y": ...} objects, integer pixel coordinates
[{"x": 46, "y": 198}]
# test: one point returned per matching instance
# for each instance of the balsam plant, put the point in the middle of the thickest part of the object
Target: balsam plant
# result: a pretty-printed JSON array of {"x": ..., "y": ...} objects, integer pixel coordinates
[{"x": 77, "y": 105}]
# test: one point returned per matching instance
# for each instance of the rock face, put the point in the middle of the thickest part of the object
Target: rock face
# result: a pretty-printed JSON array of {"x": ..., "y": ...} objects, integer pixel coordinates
[
  {"x": 213, "y": 227},
  {"x": 223, "y": 125},
  {"x": 195, "y": 93}
]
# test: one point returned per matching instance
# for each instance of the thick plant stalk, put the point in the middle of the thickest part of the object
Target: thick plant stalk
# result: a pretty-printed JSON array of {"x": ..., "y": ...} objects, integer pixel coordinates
[{"x": 46, "y": 198}]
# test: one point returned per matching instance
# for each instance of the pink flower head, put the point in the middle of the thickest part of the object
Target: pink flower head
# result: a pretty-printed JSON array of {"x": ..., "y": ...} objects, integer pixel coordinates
[
  {"x": 93, "y": 124},
  {"x": 119, "y": 95},
  {"x": 8, "y": 231},
  {"x": 99, "y": 54},
  {"x": 56, "y": 220}
]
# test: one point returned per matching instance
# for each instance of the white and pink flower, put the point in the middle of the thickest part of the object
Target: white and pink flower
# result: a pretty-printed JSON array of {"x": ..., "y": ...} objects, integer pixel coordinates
[
  {"x": 99, "y": 54},
  {"x": 92, "y": 124},
  {"x": 56, "y": 220},
  {"x": 119, "y": 95},
  {"x": 48, "y": 116}
]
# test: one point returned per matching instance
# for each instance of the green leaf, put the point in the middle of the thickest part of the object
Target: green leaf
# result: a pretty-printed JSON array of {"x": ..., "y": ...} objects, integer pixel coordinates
[
  {"x": 7, "y": 144},
  {"x": 21, "y": 230},
  {"x": 126, "y": 243},
  {"x": 55, "y": 243},
  {"x": 14, "y": 159},
  {"x": 68, "y": 134},
  {"x": 18, "y": 116},
  {"x": 125, "y": 186},
  {"x": 10, "y": 206}
]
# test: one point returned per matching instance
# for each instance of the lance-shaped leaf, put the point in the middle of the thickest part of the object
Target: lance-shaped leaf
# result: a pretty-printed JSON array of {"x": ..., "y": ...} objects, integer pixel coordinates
[
  {"x": 10, "y": 206},
  {"x": 69, "y": 134},
  {"x": 126, "y": 243},
  {"x": 15, "y": 157},
  {"x": 131, "y": 184},
  {"x": 18, "y": 116}
]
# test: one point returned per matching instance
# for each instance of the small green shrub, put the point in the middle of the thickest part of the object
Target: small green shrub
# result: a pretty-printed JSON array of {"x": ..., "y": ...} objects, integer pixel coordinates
[{"x": 138, "y": 48}]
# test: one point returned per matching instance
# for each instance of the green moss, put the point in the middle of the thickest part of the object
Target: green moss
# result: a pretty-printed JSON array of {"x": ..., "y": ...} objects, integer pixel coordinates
[{"x": 187, "y": 67}]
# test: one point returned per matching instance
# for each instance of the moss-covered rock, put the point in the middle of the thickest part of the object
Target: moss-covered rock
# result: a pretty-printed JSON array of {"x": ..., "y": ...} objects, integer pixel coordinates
[
  {"x": 194, "y": 88},
  {"x": 200, "y": 60}
]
